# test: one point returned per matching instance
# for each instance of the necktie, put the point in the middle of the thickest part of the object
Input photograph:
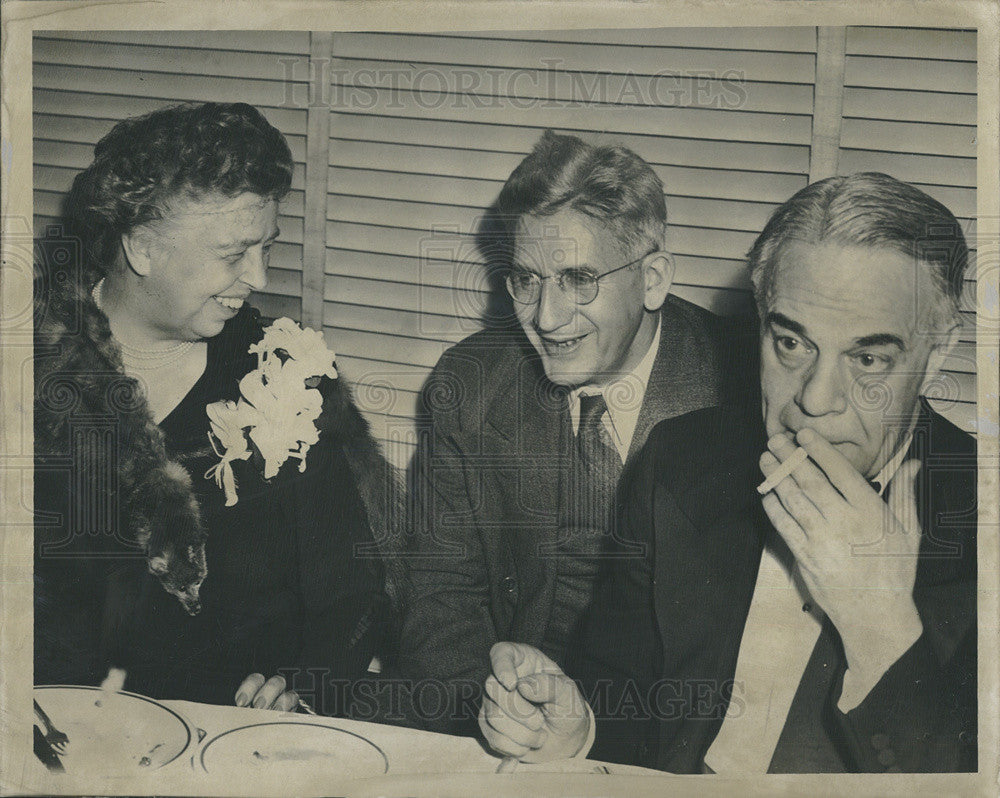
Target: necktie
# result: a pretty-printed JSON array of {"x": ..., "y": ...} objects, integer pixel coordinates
[{"x": 599, "y": 460}]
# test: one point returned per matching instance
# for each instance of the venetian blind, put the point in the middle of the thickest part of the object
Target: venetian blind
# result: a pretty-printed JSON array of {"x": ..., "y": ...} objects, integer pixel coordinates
[
  {"x": 426, "y": 128},
  {"x": 910, "y": 111}
]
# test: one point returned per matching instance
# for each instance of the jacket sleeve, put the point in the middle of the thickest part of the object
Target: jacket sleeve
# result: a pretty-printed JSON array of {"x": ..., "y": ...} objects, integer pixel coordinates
[
  {"x": 920, "y": 717},
  {"x": 448, "y": 629}
]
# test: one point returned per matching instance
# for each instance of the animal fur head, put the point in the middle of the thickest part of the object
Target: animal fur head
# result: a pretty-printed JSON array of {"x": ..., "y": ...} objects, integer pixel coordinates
[
  {"x": 181, "y": 572},
  {"x": 172, "y": 534}
]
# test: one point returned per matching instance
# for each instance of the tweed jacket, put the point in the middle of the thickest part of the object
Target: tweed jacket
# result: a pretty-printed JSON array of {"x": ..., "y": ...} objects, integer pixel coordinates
[{"x": 487, "y": 478}]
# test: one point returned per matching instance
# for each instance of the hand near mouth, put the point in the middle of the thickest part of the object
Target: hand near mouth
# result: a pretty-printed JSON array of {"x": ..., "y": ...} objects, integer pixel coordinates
[{"x": 857, "y": 555}]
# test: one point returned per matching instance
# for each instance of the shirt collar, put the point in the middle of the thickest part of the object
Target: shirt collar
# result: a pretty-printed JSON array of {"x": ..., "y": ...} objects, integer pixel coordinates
[
  {"x": 624, "y": 397},
  {"x": 888, "y": 471}
]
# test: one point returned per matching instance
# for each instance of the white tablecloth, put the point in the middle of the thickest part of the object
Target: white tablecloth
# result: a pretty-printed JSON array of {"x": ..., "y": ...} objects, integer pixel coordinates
[{"x": 444, "y": 764}]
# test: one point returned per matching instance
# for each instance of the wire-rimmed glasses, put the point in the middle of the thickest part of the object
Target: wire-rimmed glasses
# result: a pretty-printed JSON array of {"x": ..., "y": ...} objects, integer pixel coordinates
[{"x": 581, "y": 285}]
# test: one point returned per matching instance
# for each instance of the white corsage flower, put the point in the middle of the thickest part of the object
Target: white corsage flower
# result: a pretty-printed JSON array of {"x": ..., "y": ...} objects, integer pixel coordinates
[{"x": 277, "y": 411}]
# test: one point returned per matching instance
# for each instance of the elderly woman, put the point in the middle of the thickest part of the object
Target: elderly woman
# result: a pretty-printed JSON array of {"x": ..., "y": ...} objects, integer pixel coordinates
[{"x": 198, "y": 576}]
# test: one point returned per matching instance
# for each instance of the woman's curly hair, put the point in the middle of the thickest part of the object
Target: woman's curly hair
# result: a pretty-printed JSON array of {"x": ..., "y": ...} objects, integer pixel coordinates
[{"x": 188, "y": 151}]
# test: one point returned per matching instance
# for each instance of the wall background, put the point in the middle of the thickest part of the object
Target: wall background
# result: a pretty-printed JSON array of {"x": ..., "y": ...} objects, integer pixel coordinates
[{"x": 401, "y": 141}]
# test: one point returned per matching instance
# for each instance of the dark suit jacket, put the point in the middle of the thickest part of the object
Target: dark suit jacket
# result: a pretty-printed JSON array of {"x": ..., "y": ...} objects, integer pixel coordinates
[
  {"x": 487, "y": 482},
  {"x": 658, "y": 650}
]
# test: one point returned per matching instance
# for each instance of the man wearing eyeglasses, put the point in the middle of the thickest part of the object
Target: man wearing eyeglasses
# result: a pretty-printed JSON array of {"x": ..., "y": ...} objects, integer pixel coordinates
[
  {"x": 823, "y": 620},
  {"x": 530, "y": 429}
]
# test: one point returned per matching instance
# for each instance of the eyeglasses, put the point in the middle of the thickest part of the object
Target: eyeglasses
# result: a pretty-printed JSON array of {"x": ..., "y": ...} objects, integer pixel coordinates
[{"x": 579, "y": 284}]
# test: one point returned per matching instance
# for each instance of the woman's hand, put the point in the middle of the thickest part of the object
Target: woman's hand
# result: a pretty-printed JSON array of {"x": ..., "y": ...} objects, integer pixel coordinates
[{"x": 259, "y": 693}]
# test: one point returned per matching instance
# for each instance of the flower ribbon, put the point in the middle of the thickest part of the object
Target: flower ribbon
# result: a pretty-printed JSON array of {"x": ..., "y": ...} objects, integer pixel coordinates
[{"x": 277, "y": 410}]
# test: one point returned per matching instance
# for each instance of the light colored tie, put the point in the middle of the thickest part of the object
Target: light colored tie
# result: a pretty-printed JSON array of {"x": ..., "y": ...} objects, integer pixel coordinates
[{"x": 778, "y": 640}]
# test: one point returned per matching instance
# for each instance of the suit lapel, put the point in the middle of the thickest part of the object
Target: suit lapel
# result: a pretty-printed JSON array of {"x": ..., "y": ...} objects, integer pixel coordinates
[
  {"x": 527, "y": 427},
  {"x": 679, "y": 381},
  {"x": 708, "y": 538}
]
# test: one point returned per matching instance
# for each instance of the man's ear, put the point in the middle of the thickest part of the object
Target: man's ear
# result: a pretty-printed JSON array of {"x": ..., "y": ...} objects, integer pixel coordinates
[
  {"x": 940, "y": 352},
  {"x": 137, "y": 245},
  {"x": 658, "y": 273}
]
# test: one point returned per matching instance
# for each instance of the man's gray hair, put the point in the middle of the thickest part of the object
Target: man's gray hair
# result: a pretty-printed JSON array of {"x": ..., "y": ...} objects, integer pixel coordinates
[
  {"x": 608, "y": 183},
  {"x": 869, "y": 209}
]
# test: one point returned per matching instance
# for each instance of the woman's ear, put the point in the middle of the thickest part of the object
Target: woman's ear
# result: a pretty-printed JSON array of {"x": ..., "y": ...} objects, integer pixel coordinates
[
  {"x": 137, "y": 245},
  {"x": 658, "y": 273}
]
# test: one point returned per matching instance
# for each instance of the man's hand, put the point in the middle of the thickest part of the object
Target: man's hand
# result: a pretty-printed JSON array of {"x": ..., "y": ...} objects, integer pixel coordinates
[
  {"x": 857, "y": 556},
  {"x": 261, "y": 693},
  {"x": 531, "y": 709}
]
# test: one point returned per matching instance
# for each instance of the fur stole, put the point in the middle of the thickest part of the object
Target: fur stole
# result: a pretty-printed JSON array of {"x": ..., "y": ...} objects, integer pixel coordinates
[{"x": 79, "y": 381}]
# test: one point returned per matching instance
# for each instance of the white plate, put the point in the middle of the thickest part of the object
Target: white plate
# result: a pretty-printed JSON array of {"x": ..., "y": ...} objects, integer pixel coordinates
[
  {"x": 117, "y": 735},
  {"x": 288, "y": 747}
]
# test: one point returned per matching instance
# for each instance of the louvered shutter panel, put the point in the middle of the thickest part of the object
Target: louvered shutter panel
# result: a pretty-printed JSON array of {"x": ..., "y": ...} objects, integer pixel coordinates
[
  {"x": 910, "y": 111},
  {"x": 426, "y": 128}
]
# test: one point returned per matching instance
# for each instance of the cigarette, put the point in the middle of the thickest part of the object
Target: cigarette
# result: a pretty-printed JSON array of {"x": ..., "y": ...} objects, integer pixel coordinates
[{"x": 797, "y": 458}]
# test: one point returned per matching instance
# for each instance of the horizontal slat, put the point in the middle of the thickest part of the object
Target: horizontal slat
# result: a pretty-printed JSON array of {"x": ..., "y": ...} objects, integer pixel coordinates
[
  {"x": 798, "y": 39},
  {"x": 779, "y": 67},
  {"x": 465, "y": 276},
  {"x": 462, "y": 304},
  {"x": 958, "y": 386},
  {"x": 51, "y": 204},
  {"x": 910, "y": 106},
  {"x": 399, "y": 376},
  {"x": 968, "y": 332},
  {"x": 385, "y": 399},
  {"x": 60, "y": 178},
  {"x": 351, "y": 182},
  {"x": 522, "y": 87},
  {"x": 95, "y": 105},
  {"x": 248, "y": 63},
  {"x": 704, "y": 240},
  {"x": 383, "y": 346},
  {"x": 683, "y": 211},
  {"x": 457, "y": 275},
  {"x": 399, "y": 162},
  {"x": 79, "y": 156},
  {"x": 961, "y": 358},
  {"x": 946, "y": 45},
  {"x": 910, "y": 73},
  {"x": 282, "y": 280},
  {"x": 960, "y": 201},
  {"x": 681, "y": 122},
  {"x": 520, "y": 140},
  {"x": 934, "y": 169},
  {"x": 263, "y": 41},
  {"x": 400, "y": 241},
  {"x": 868, "y": 134},
  {"x": 272, "y": 306},
  {"x": 721, "y": 301},
  {"x": 167, "y": 88},
  {"x": 426, "y": 326}
]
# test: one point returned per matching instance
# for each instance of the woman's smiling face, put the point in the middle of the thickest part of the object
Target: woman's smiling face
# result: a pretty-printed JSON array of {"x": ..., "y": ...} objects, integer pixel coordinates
[{"x": 203, "y": 261}]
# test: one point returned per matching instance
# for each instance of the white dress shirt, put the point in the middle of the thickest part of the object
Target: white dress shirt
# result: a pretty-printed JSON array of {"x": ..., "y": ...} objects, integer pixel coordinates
[
  {"x": 779, "y": 636},
  {"x": 623, "y": 397}
]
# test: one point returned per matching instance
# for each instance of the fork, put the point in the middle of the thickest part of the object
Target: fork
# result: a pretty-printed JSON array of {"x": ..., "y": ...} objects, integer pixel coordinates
[{"x": 57, "y": 739}]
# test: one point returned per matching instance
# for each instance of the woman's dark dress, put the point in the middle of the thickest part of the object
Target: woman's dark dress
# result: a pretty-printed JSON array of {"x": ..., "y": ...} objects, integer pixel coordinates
[{"x": 286, "y": 591}]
